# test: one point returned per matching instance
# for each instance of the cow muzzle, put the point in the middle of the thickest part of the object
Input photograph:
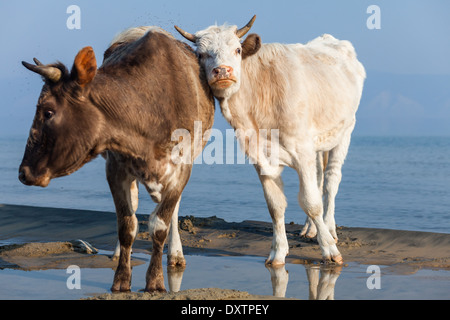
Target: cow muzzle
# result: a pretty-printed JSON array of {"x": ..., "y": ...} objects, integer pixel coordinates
[
  {"x": 29, "y": 179},
  {"x": 222, "y": 77}
]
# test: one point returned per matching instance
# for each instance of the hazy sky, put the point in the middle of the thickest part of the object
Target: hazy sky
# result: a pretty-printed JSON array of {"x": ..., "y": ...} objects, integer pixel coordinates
[{"x": 413, "y": 39}]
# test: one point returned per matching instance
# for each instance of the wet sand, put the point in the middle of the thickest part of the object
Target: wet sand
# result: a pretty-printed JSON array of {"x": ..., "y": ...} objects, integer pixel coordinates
[{"x": 33, "y": 238}]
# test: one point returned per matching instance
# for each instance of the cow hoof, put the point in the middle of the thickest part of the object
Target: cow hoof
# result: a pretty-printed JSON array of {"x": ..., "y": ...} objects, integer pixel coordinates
[
  {"x": 276, "y": 267},
  {"x": 151, "y": 290},
  {"x": 338, "y": 259},
  {"x": 308, "y": 235},
  {"x": 176, "y": 262},
  {"x": 274, "y": 263},
  {"x": 115, "y": 289}
]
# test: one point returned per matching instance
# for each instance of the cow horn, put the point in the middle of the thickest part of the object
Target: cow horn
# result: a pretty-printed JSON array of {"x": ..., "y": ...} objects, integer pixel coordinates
[
  {"x": 242, "y": 31},
  {"x": 38, "y": 63},
  {"x": 51, "y": 73},
  {"x": 187, "y": 35}
]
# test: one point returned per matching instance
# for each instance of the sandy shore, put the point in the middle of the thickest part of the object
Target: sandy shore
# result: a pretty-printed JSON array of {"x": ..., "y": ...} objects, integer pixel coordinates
[{"x": 23, "y": 227}]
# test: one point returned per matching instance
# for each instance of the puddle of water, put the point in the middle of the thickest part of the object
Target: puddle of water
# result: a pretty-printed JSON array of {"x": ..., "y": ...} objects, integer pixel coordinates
[
  {"x": 241, "y": 273},
  {"x": 9, "y": 241}
]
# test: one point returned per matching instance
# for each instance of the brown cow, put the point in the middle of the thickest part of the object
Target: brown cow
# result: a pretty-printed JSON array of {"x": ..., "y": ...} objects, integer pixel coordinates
[{"x": 148, "y": 86}]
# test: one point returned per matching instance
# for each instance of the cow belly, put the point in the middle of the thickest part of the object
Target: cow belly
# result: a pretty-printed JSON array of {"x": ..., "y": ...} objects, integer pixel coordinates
[{"x": 329, "y": 139}]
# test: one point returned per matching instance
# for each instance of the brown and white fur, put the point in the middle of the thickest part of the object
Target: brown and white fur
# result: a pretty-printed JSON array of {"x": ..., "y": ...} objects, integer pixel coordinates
[{"x": 148, "y": 86}]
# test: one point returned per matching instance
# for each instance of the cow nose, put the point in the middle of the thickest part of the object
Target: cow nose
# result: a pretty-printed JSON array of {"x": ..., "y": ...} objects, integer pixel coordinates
[
  {"x": 222, "y": 71},
  {"x": 30, "y": 179},
  {"x": 22, "y": 175}
]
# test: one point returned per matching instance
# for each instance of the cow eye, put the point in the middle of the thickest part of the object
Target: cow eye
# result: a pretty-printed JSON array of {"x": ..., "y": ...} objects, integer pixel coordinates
[
  {"x": 48, "y": 114},
  {"x": 238, "y": 51}
]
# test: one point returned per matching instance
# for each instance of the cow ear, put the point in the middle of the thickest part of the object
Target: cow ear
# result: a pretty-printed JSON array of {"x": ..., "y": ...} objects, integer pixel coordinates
[
  {"x": 251, "y": 45},
  {"x": 84, "y": 67}
]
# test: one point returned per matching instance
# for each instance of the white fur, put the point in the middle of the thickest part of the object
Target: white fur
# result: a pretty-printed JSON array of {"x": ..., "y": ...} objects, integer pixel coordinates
[
  {"x": 174, "y": 246},
  {"x": 155, "y": 223},
  {"x": 311, "y": 94},
  {"x": 154, "y": 190}
]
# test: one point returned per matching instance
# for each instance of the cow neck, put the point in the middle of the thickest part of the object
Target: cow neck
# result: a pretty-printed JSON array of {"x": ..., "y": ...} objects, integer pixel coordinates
[
  {"x": 118, "y": 134},
  {"x": 234, "y": 110}
]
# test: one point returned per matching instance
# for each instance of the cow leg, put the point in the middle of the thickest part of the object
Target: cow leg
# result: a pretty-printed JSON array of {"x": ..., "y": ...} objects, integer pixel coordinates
[
  {"x": 310, "y": 199},
  {"x": 175, "y": 255},
  {"x": 158, "y": 226},
  {"x": 134, "y": 192},
  {"x": 309, "y": 229},
  {"x": 124, "y": 190},
  {"x": 276, "y": 203},
  {"x": 333, "y": 176}
]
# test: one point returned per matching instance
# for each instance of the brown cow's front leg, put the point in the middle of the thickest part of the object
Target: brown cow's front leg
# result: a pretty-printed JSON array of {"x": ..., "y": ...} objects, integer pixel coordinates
[
  {"x": 124, "y": 190},
  {"x": 155, "y": 276},
  {"x": 159, "y": 222},
  {"x": 122, "y": 276}
]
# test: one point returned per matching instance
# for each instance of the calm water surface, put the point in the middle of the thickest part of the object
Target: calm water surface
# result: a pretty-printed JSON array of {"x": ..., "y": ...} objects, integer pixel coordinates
[
  {"x": 238, "y": 273},
  {"x": 396, "y": 183}
]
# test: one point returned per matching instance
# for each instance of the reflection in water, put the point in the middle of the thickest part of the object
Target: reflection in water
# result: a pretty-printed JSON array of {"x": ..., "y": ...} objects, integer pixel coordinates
[
  {"x": 175, "y": 275},
  {"x": 322, "y": 288},
  {"x": 279, "y": 277},
  {"x": 243, "y": 273},
  {"x": 321, "y": 279}
]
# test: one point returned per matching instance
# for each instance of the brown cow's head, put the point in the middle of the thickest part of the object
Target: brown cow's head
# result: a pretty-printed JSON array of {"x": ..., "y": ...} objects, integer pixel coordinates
[
  {"x": 221, "y": 52},
  {"x": 65, "y": 128}
]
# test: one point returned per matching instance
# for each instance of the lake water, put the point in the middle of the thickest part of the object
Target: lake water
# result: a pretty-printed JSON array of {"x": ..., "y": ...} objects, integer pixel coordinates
[
  {"x": 245, "y": 273},
  {"x": 388, "y": 182}
]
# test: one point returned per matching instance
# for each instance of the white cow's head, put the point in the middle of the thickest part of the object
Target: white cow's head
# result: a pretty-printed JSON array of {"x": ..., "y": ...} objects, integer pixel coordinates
[{"x": 221, "y": 52}]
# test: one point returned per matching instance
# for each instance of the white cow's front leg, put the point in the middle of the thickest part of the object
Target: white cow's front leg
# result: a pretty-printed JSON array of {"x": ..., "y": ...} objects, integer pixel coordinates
[
  {"x": 276, "y": 203},
  {"x": 175, "y": 255},
  {"x": 280, "y": 247}
]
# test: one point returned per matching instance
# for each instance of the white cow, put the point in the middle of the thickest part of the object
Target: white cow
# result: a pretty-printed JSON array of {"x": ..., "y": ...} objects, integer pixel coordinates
[{"x": 310, "y": 93}]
